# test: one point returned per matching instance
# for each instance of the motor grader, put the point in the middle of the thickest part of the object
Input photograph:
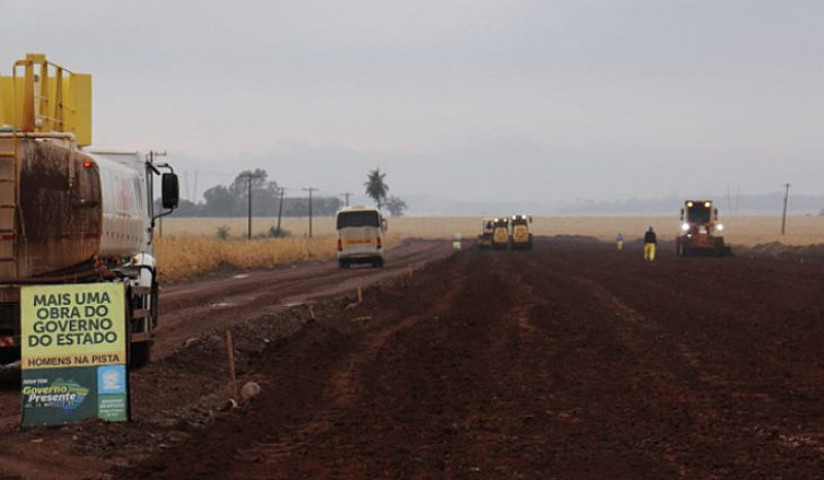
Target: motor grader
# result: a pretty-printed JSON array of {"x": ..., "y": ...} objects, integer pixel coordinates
[
  {"x": 520, "y": 236},
  {"x": 701, "y": 231}
]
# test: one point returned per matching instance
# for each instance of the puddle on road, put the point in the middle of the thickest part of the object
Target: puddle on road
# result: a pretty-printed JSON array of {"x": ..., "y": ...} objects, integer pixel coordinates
[{"x": 241, "y": 275}]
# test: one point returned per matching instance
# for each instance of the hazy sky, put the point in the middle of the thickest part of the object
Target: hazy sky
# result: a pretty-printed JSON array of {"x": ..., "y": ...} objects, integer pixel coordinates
[{"x": 542, "y": 101}]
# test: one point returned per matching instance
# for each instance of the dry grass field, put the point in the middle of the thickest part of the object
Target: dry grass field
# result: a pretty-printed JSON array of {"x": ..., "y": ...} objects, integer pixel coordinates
[
  {"x": 189, "y": 246},
  {"x": 744, "y": 231},
  {"x": 182, "y": 255}
]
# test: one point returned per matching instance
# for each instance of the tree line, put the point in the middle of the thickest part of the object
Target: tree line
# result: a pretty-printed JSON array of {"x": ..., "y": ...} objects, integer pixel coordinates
[{"x": 233, "y": 200}]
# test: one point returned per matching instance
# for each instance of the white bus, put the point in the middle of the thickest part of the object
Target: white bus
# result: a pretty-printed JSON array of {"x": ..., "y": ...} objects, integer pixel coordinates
[{"x": 360, "y": 236}]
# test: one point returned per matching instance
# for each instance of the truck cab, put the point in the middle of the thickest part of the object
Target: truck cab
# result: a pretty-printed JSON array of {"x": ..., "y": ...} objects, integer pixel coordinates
[{"x": 360, "y": 236}]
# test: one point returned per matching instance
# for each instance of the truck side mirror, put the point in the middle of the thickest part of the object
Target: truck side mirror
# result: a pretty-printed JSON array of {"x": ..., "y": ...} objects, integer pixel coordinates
[
  {"x": 169, "y": 191},
  {"x": 682, "y": 214},
  {"x": 530, "y": 219},
  {"x": 384, "y": 225}
]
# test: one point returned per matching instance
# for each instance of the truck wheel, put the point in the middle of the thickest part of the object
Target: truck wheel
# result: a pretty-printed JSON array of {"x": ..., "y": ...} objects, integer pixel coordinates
[
  {"x": 140, "y": 354},
  {"x": 377, "y": 263},
  {"x": 343, "y": 264}
]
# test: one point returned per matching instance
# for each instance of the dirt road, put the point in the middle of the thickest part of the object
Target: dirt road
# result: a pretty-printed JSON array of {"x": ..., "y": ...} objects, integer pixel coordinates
[
  {"x": 230, "y": 299},
  {"x": 573, "y": 361}
]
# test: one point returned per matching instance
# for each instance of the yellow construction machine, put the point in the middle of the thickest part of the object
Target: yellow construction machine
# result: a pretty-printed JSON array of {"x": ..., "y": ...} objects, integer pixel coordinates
[
  {"x": 701, "y": 231},
  {"x": 521, "y": 238},
  {"x": 500, "y": 233}
]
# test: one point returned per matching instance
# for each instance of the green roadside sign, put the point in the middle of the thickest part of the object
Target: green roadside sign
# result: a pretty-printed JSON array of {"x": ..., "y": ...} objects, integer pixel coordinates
[{"x": 73, "y": 357}]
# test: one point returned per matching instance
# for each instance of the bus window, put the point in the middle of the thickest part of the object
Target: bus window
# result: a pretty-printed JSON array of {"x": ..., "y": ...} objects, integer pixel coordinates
[{"x": 358, "y": 219}]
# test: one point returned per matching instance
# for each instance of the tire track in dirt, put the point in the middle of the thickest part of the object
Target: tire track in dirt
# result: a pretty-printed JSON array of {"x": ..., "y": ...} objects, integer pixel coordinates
[
  {"x": 344, "y": 386},
  {"x": 426, "y": 389},
  {"x": 721, "y": 398}
]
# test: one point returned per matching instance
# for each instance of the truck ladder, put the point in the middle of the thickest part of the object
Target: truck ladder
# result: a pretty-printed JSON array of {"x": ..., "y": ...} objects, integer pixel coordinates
[{"x": 8, "y": 205}]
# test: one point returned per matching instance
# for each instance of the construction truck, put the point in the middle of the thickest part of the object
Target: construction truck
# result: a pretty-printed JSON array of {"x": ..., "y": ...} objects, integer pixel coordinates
[
  {"x": 500, "y": 233},
  {"x": 69, "y": 214},
  {"x": 485, "y": 238},
  {"x": 701, "y": 231},
  {"x": 521, "y": 237}
]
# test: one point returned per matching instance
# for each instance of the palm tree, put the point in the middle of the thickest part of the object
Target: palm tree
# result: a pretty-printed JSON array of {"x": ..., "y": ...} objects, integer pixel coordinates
[{"x": 376, "y": 189}]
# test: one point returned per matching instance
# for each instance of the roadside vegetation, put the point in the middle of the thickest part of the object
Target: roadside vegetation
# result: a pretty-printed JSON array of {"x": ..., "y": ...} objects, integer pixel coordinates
[{"x": 182, "y": 256}]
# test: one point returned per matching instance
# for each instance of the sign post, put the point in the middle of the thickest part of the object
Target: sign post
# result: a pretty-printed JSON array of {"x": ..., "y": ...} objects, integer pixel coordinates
[{"x": 73, "y": 361}]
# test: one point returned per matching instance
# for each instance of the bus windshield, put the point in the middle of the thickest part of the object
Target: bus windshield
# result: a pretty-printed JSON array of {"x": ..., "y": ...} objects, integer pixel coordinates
[{"x": 358, "y": 219}]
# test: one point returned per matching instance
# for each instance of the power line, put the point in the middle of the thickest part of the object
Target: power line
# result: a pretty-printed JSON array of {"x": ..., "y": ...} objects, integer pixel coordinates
[
  {"x": 784, "y": 215},
  {"x": 249, "y": 177},
  {"x": 281, "y": 192},
  {"x": 310, "y": 190}
]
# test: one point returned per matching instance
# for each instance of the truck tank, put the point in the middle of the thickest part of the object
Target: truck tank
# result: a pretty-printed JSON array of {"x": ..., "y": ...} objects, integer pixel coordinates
[{"x": 73, "y": 207}]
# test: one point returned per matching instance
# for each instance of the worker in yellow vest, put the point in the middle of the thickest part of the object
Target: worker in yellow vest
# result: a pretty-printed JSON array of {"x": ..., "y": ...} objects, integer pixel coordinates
[
  {"x": 649, "y": 245},
  {"x": 456, "y": 242}
]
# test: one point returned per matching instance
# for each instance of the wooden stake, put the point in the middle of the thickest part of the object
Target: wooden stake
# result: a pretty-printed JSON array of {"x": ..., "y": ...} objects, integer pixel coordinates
[
  {"x": 230, "y": 351},
  {"x": 311, "y": 309},
  {"x": 360, "y": 295}
]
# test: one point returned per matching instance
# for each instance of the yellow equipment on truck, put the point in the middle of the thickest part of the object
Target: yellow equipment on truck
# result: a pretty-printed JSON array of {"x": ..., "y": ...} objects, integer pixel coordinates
[
  {"x": 71, "y": 215},
  {"x": 521, "y": 236},
  {"x": 701, "y": 231},
  {"x": 500, "y": 233}
]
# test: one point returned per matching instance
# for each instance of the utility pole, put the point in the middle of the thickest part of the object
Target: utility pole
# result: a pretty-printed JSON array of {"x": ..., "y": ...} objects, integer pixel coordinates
[
  {"x": 784, "y": 215},
  {"x": 310, "y": 190},
  {"x": 249, "y": 177},
  {"x": 347, "y": 195},
  {"x": 152, "y": 155},
  {"x": 281, "y": 191}
]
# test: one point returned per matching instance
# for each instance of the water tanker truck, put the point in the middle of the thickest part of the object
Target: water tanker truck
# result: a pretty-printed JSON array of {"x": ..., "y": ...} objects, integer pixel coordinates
[
  {"x": 69, "y": 214},
  {"x": 700, "y": 231}
]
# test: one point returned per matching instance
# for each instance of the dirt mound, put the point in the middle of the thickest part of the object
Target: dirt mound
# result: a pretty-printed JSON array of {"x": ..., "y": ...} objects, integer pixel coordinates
[{"x": 800, "y": 253}]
